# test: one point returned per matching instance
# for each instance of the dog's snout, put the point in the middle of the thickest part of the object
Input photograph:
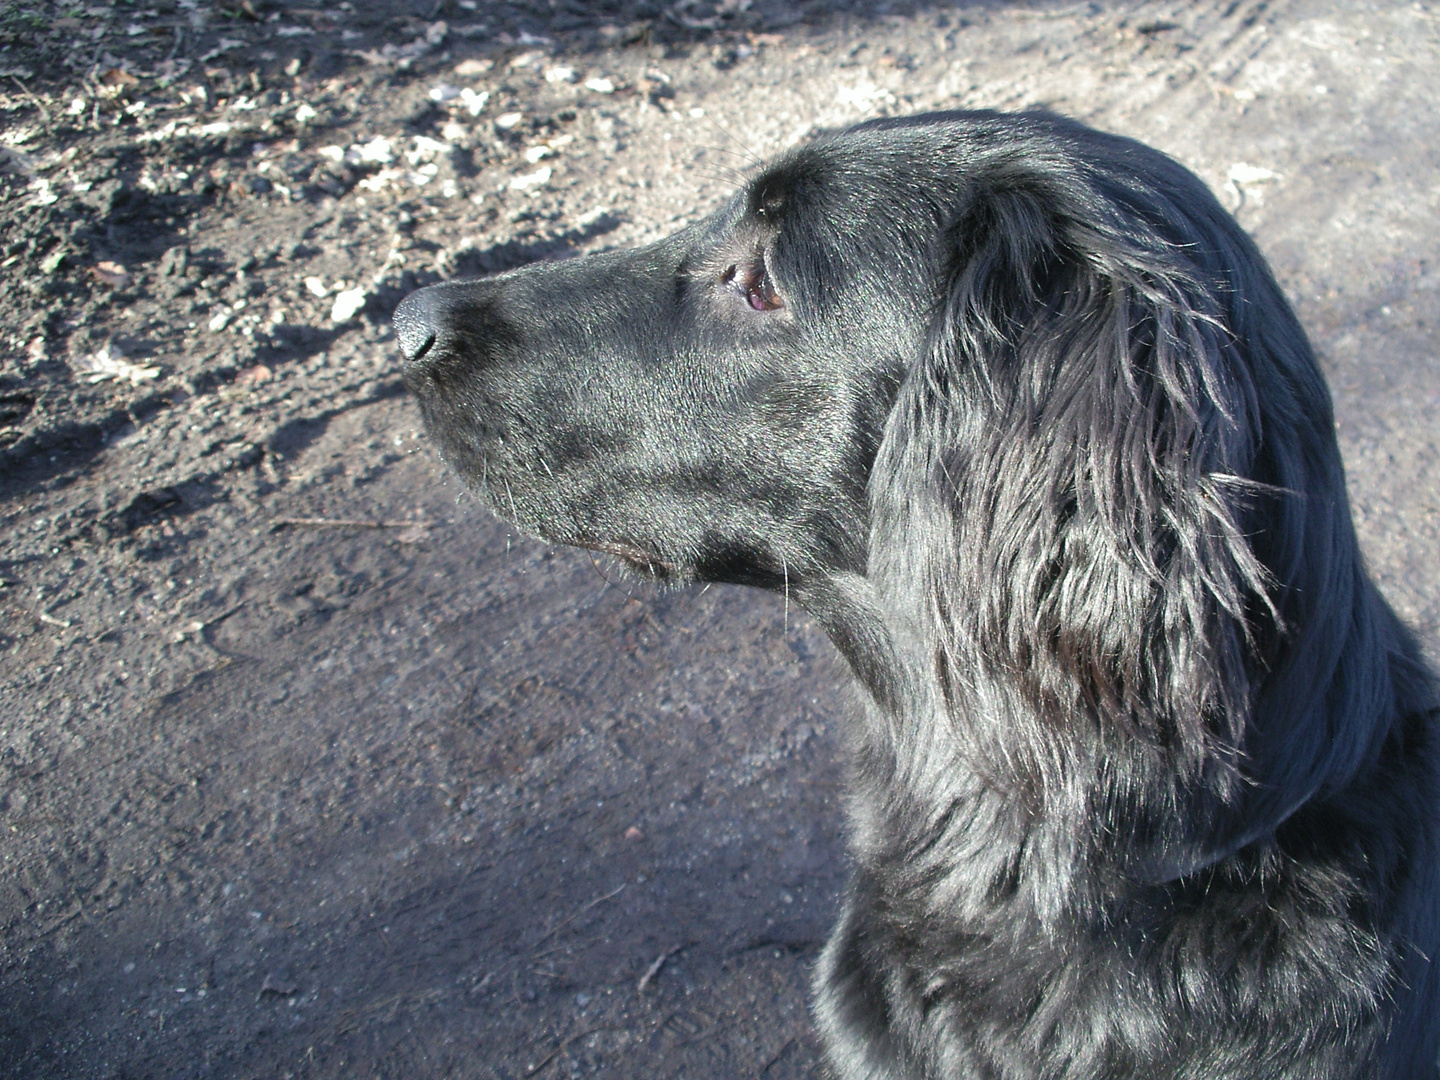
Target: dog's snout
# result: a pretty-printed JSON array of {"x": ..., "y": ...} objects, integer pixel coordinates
[{"x": 415, "y": 325}]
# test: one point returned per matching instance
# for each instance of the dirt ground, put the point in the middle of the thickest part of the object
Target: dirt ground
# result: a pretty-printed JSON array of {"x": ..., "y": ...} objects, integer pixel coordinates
[{"x": 308, "y": 767}]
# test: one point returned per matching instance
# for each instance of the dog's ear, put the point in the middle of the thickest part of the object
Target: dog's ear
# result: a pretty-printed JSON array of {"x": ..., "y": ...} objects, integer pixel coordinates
[{"x": 1110, "y": 498}]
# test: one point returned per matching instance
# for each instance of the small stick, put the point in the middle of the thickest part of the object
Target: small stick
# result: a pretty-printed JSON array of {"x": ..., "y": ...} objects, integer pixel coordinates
[
  {"x": 564, "y": 922},
  {"x": 222, "y": 616},
  {"x": 64, "y": 920},
  {"x": 777, "y": 1055},
  {"x": 654, "y": 969},
  {"x": 556, "y": 948},
  {"x": 338, "y": 523},
  {"x": 52, "y": 620},
  {"x": 199, "y": 626},
  {"x": 553, "y": 1054},
  {"x": 44, "y": 112}
]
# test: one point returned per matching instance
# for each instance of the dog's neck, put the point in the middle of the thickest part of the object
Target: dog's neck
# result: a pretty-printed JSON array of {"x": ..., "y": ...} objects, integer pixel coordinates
[
  {"x": 847, "y": 609},
  {"x": 925, "y": 765}
]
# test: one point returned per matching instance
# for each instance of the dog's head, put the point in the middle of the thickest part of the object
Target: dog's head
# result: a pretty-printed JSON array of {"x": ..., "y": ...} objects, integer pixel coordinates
[
  {"x": 1013, "y": 405},
  {"x": 708, "y": 407}
]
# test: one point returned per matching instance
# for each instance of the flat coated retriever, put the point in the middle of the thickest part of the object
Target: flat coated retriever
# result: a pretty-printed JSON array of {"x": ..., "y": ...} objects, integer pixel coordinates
[{"x": 1145, "y": 770}]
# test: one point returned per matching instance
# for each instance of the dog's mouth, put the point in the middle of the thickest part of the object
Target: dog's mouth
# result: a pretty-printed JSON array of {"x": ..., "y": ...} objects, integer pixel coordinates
[
  {"x": 638, "y": 559},
  {"x": 516, "y": 505}
]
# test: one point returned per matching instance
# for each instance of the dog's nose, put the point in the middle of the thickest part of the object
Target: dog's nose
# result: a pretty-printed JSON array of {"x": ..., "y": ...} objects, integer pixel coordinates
[{"x": 414, "y": 323}]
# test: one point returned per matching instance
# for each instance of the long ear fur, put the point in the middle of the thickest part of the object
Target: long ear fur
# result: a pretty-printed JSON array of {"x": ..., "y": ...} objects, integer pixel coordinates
[{"x": 1110, "y": 493}]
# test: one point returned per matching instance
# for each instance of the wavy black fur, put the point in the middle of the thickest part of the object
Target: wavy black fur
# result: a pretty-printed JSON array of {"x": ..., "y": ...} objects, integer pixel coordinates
[{"x": 1145, "y": 772}]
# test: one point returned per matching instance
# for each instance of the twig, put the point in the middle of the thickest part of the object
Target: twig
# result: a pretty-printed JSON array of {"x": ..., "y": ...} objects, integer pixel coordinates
[
  {"x": 384, "y": 940},
  {"x": 560, "y": 1048},
  {"x": 565, "y": 922},
  {"x": 207, "y": 623},
  {"x": 654, "y": 969},
  {"x": 204, "y": 626},
  {"x": 776, "y": 1056},
  {"x": 556, "y": 948},
  {"x": 44, "y": 112},
  {"x": 705, "y": 1033},
  {"x": 51, "y": 620},
  {"x": 64, "y": 920},
  {"x": 338, "y": 523}
]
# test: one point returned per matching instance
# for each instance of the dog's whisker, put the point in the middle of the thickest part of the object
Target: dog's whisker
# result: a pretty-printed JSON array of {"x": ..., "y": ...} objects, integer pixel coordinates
[
  {"x": 726, "y": 172},
  {"x": 608, "y": 583},
  {"x": 710, "y": 147},
  {"x": 719, "y": 178},
  {"x": 785, "y": 572},
  {"x": 753, "y": 157}
]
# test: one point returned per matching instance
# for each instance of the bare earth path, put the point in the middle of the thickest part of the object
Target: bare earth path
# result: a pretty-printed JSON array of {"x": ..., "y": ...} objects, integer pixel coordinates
[{"x": 282, "y": 796}]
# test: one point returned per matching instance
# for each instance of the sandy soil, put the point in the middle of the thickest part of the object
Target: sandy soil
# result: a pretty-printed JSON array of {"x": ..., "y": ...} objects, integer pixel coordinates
[{"x": 307, "y": 767}]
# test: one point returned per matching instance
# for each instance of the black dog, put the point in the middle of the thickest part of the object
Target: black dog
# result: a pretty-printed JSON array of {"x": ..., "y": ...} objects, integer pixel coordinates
[{"x": 1145, "y": 782}]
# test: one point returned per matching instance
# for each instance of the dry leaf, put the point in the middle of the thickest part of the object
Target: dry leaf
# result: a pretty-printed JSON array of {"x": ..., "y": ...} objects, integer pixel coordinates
[
  {"x": 109, "y": 363},
  {"x": 118, "y": 77},
  {"x": 112, "y": 274}
]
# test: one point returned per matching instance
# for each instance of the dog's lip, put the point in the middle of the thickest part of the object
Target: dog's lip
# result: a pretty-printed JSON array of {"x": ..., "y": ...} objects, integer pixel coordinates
[{"x": 629, "y": 552}]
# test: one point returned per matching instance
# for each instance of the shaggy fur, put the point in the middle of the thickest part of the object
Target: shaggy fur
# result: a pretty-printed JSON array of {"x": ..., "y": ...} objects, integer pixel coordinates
[{"x": 1144, "y": 776}]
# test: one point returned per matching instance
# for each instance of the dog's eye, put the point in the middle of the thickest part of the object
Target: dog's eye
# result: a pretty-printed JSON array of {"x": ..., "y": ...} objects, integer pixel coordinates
[
  {"x": 754, "y": 285},
  {"x": 761, "y": 296}
]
